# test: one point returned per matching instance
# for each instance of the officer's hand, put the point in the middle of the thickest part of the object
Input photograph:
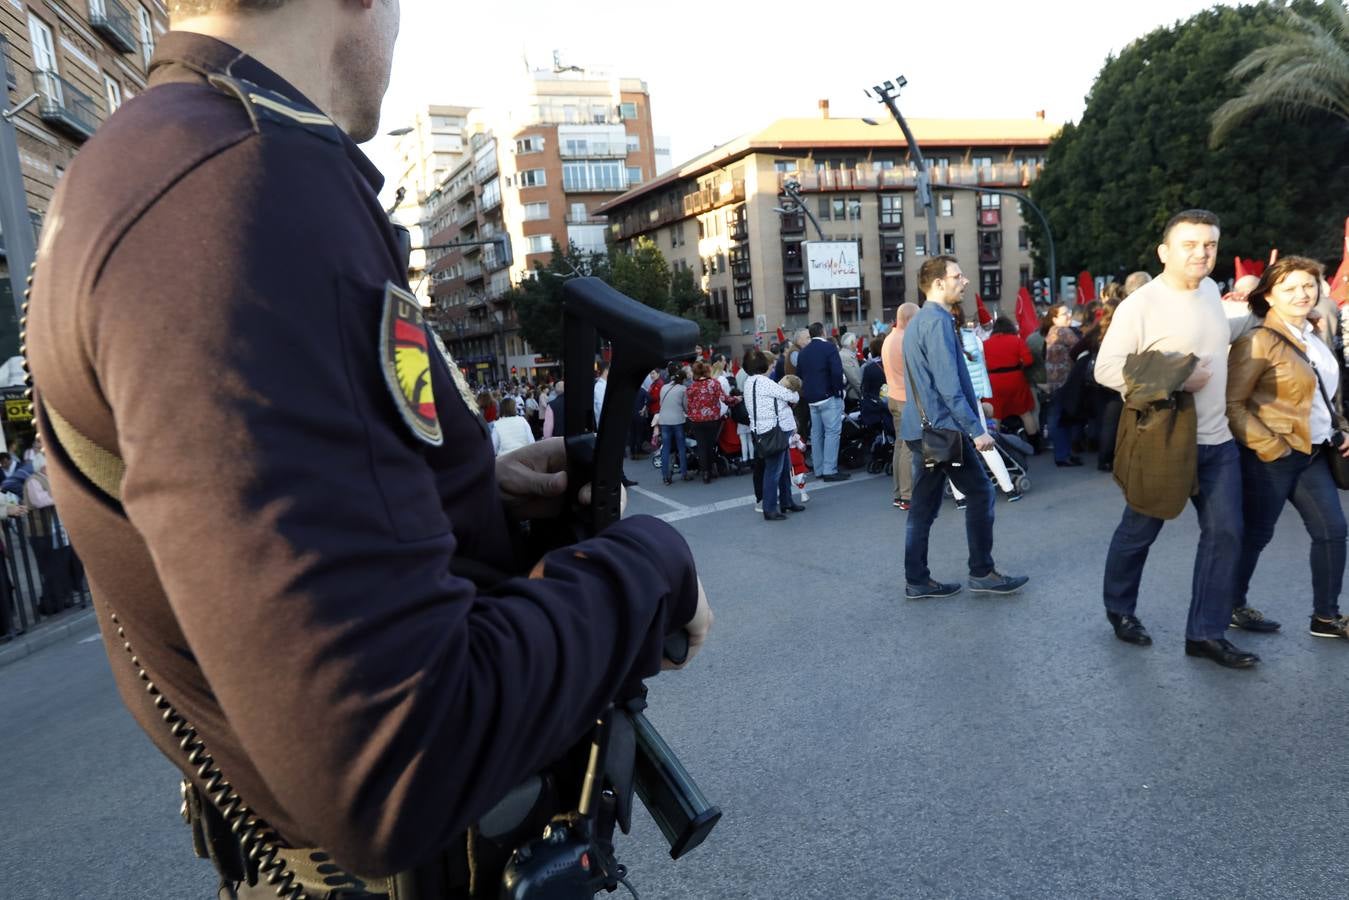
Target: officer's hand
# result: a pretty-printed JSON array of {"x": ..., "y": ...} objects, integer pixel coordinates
[
  {"x": 533, "y": 481},
  {"x": 697, "y": 629},
  {"x": 983, "y": 442},
  {"x": 1199, "y": 377}
]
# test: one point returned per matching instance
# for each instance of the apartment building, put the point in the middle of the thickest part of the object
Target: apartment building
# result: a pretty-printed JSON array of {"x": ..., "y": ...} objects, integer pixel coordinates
[
  {"x": 427, "y": 149},
  {"x": 725, "y": 216},
  {"x": 579, "y": 138}
]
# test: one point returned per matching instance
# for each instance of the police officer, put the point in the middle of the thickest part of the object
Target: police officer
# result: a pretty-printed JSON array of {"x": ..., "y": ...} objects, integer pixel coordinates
[{"x": 278, "y": 480}]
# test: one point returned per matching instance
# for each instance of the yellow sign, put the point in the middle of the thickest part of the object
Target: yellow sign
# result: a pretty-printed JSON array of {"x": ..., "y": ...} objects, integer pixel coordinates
[{"x": 19, "y": 409}]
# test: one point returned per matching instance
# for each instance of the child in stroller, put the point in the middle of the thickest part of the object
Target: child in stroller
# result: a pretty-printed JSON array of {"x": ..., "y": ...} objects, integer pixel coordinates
[{"x": 1005, "y": 464}]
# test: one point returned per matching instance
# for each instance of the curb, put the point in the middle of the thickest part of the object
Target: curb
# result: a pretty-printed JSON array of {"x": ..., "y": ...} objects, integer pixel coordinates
[{"x": 33, "y": 641}]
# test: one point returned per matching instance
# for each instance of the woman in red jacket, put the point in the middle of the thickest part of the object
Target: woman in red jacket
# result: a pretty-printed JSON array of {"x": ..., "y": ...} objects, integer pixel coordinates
[
  {"x": 705, "y": 398},
  {"x": 1008, "y": 357}
]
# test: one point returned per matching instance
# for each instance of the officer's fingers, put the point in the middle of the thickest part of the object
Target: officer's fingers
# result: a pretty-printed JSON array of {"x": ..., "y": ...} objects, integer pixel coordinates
[
  {"x": 552, "y": 455},
  {"x": 551, "y": 485},
  {"x": 584, "y": 494}
]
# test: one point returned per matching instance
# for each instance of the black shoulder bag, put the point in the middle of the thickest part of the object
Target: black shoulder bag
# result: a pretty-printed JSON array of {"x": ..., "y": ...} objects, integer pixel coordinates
[
  {"x": 941, "y": 446},
  {"x": 1339, "y": 466},
  {"x": 774, "y": 440}
]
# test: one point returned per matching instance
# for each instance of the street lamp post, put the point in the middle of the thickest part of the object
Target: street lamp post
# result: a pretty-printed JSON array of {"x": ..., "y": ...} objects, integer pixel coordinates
[
  {"x": 887, "y": 92},
  {"x": 1049, "y": 232}
]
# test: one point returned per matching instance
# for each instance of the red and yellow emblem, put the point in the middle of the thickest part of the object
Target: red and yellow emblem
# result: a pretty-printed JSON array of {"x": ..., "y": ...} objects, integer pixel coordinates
[{"x": 407, "y": 365}]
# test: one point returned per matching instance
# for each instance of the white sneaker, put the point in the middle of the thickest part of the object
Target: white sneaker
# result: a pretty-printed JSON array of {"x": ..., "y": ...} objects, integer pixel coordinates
[
  {"x": 758, "y": 507},
  {"x": 803, "y": 497}
]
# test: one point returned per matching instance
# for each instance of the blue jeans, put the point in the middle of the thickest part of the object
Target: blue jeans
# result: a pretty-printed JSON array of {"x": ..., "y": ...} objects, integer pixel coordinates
[
  {"x": 1213, "y": 587},
  {"x": 672, "y": 434},
  {"x": 777, "y": 470},
  {"x": 1306, "y": 481},
  {"x": 926, "y": 502},
  {"x": 826, "y": 424},
  {"x": 1060, "y": 432}
]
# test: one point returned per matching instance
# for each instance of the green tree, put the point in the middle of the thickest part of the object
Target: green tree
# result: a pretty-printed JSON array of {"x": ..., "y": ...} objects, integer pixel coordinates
[
  {"x": 689, "y": 300},
  {"x": 1141, "y": 153},
  {"x": 1303, "y": 66},
  {"x": 642, "y": 274},
  {"x": 538, "y": 300}
]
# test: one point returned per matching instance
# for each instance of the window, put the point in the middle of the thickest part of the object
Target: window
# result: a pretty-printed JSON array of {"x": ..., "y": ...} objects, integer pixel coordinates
[
  {"x": 532, "y": 178},
  {"x": 532, "y": 144},
  {"x": 634, "y": 175},
  {"x": 798, "y": 301},
  {"x": 920, "y": 245},
  {"x": 627, "y": 111},
  {"x": 892, "y": 252},
  {"x": 536, "y": 211},
  {"x": 538, "y": 243},
  {"x": 854, "y": 207},
  {"x": 147, "y": 35},
  {"x": 948, "y": 244},
  {"x": 1022, "y": 239},
  {"x": 113, "y": 90},
  {"x": 990, "y": 284},
  {"x": 946, "y": 205},
  {"x": 990, "y": 201},
  {"x": 892, "y": 209},
  {"x": 784, "y": 165},
  {"x": 824, "y": 208},
  {"x": 578, "y": 212},
  {"x": 592, "y": 176},
  {"x": 982, "y": 163},
  {"x": 634, "y": 144},
  {"x": 744, "y": 301},
  {"x": 677, "y": 238},
  {"x": 44, "y": 50},
  {"x": 1024, "y": 275},
  {"x": 840, "y": 209}
]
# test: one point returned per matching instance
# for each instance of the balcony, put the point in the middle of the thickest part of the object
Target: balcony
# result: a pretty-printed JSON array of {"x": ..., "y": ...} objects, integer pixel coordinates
[
  {"x": 472, "y": 271},
  {"x": 709, "y": 199},
  {"x": 575, "y": 186},
  {"x": 594, "y": 150},
  {"x": 113, "y": 21},
  {"x": 990, "y": 256},
  {"x": 62, "y": 106},
  {"x": 793, "y": 223},
  {"x": 891, "y": 220},
  {"x": 798, "y": 303},
  {"x": 586, "y": 220},
  {"x": 990, "y": 218}
]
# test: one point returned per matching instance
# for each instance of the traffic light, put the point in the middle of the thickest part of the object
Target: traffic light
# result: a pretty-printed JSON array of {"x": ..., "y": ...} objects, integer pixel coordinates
[{"x": 1037, "y": 293}]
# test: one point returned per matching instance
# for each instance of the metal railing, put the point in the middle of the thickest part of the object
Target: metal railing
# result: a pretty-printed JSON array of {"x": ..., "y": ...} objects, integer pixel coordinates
[
  {"x": 113, "y": 20},
  {"x": 594, "y": 150},
  {"x": 42, "y": 576},
  {"x": 63, "y": 105}
]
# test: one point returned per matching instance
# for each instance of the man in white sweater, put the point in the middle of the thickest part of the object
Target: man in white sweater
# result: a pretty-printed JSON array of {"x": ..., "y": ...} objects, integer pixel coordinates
[{"x": 1182, "y": 312}]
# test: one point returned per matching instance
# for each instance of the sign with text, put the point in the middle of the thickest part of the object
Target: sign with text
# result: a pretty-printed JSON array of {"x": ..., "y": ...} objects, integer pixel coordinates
[{"x": 832, "y": 265}]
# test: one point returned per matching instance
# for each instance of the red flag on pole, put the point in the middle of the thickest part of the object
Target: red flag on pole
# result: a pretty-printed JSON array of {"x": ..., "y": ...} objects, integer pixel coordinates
[
  {"x": 1086, "y": 288},
  {"x": 984, "y": 316},
  {"x": 1339, "y": 285},
  {"x": 1026, "y": 319},
  {"x": 782, "y": 338}
]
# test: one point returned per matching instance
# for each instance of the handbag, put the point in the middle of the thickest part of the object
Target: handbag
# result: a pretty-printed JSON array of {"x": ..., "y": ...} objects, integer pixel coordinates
[
  {"x": 774, "y": 440},
  {"x": 1339, "y": 466},
  {"x": 941, "y": 446}
]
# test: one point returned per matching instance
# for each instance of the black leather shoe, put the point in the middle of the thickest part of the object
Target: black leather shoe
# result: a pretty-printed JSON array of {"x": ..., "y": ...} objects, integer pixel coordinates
[
  {"x": 628, "y": 482},
  {"x": 795, "y": 507},
  {"x": 1129, "y": 629},
  {"x": 1070, "y": 462},
  {"x": 836, "y": 476},
  {"x": 1223, "y": 652},
  {"x": 774, "y": 517}
]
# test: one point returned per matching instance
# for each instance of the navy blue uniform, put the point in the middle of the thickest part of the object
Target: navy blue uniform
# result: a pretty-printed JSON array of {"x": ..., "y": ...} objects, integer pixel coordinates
[{"x": 220, "y": 301}]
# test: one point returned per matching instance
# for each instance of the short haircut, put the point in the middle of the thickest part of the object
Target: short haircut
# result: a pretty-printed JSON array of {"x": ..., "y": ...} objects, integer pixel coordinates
[
  {"x": 816, "y": 329},
  {"x": 701, "y": 369},
  {"x": 1135, "y": 281},
  {"x": 1189, "y": 217},
  {"x": 507, "y": 407},
  {"x": 933, "y": 269},
  {"x": 1285, "y": 266},
  {"x": 877, "y": 343},
  {"x": 1004, "y": 325},
  {"x": 848, "y": 340},
  {"x": 185, "y": 8},
  {"x": 756, "y": 362}
]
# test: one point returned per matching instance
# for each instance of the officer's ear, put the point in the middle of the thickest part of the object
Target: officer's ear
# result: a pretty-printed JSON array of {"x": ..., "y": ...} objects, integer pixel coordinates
[{"x": 1163, "y": 252}]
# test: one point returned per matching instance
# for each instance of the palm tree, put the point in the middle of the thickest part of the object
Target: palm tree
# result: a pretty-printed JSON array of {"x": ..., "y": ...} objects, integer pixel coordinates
[{"x": 1306, "y": 68}]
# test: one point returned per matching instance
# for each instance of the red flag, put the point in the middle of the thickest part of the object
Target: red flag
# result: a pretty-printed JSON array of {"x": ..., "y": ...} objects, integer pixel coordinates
[
  {"x": 1027, "y": 320},
  {"x": 1086, "y": 288},
  {"x": 984, "y": 316},
  {"x": 1240, "y": 268},
  {"x": 1339, "y": 285},
  {"x": 782, "y": 338}
]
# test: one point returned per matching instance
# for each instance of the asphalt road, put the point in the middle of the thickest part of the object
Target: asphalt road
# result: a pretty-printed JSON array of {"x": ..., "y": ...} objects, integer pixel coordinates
[{"x": 860, "y": 745}]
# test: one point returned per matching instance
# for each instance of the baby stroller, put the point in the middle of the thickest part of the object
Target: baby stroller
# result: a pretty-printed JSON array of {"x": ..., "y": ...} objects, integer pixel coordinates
[
  {"x": 727, "y": 453},
  {"x": 853, "y": 443},
  {"x": 878, "y": 428},
  {"x": 1011, "y": 458}
]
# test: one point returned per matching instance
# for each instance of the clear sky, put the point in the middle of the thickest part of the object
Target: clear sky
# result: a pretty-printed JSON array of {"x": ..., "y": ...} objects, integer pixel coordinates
[{"x": 719, "y": 69}]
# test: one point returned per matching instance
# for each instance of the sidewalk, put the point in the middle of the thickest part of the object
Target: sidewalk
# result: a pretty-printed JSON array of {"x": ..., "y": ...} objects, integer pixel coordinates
[{"x": 77, "y": 622}]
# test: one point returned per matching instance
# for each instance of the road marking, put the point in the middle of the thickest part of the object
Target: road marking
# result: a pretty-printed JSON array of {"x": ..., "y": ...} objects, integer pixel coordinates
[
  {"x": 658, "y": 498},
  {"x": 91, "y": 638},
  {"x": 812, "y": 487}
]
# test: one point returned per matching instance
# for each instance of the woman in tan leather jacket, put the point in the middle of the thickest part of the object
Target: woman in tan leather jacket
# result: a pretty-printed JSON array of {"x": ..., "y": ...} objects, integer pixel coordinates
[{"x": 1286, "y": 423}]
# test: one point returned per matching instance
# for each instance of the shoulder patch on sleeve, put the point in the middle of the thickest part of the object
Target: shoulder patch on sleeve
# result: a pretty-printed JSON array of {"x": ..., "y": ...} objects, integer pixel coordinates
[
  {"x": 460, "y": 382},
  {"x": 406, "y": 364},
  {"x": 269, "y": 106}
]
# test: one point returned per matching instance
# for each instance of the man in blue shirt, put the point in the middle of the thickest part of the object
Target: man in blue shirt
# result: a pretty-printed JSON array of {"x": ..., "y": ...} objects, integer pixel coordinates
[
  {"x": 821, "y": 371},
  {"x": 939, "y": 390}
]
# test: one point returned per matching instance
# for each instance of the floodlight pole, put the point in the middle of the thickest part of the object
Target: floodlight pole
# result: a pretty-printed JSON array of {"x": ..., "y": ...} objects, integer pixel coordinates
[
  {"x": 1049, "y": 233},
  {"x": 887, "y": 92}
]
